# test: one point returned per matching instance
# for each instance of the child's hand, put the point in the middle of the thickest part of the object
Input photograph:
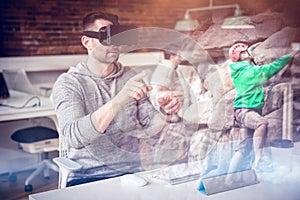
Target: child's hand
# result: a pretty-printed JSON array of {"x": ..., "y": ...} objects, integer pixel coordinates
[
  {"x": 175, "y": 59},
  {"x": 295, "y": 48},
  {"x": 253, "y": 46},
  {"x": 293, "y": 53}
]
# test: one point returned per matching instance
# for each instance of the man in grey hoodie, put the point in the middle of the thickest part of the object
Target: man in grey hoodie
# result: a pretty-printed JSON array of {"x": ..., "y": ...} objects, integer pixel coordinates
[{"x": 103, "y": 110}]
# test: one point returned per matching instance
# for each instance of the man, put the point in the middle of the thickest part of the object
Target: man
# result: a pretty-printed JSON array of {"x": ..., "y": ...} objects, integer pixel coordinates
[
  {"x": 248, "y": 81},
  {"x": 103, "y": 110}
]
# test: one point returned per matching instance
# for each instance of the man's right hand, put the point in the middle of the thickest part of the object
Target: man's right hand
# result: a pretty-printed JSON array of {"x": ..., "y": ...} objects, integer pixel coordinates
[{"x": 135, "y": 88}]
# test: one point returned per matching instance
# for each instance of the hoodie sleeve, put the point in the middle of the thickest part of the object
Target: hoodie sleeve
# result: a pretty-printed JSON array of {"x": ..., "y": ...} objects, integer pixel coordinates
[
  {"x": 265, "y": 72},
  {"x": 74, "y": 123}
]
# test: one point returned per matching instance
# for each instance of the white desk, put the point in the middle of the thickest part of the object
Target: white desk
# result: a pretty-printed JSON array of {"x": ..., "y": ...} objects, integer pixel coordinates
[
  {"x": 19, "y": 98},
  {"x": 288, "y": 188}
]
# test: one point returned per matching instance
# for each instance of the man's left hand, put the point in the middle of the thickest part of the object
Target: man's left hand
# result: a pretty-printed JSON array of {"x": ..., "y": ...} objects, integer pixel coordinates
[{"x": 169, "y": 103}]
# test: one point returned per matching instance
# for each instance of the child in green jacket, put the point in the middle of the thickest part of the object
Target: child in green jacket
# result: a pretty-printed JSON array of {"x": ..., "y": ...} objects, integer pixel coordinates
[{"x": 248, "y": 81}]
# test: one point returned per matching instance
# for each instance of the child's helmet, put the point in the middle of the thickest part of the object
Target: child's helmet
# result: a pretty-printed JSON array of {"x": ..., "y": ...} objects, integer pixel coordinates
[{"x": 235, "y": 51}]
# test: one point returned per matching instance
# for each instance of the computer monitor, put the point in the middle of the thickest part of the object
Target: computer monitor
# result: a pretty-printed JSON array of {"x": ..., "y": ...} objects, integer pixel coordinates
[
  {"x": 19, "y": 81},
  {"x": 4, "y": 93}
]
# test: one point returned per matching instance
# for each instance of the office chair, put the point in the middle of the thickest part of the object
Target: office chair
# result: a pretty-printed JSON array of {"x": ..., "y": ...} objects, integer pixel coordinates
[{"x": 35, "y": 140}]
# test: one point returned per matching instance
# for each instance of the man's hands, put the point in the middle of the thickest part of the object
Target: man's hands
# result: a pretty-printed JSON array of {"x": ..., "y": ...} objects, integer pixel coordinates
[
  {"x": 136, "y": 89},
  {"x": 133, "y": 89}
]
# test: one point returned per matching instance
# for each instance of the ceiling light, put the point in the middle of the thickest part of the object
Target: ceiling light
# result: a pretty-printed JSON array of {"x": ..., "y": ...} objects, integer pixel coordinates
[
  {"x": 237, "y": 22},
  {"x": 189, "y": 24}
]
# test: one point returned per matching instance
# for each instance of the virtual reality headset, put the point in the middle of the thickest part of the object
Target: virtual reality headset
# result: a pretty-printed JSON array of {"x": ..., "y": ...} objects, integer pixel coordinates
[{"x": 116, "y": 35}]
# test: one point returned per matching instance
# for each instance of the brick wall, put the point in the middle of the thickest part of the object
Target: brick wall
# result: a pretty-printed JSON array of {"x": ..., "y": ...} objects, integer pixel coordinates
[{"x": 53, "y": 27}]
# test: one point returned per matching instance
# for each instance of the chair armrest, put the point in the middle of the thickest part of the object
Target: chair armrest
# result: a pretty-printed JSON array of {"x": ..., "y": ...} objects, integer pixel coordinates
[
  {"x": 66, "y": 166},
  {"x": 67, "y": 163}
]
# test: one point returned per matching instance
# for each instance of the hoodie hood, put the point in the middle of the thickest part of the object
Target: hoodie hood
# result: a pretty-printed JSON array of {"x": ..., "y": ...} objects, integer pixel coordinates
[
  {"x": 237, "y": 68},
  {"x": 81, "y": 68}
]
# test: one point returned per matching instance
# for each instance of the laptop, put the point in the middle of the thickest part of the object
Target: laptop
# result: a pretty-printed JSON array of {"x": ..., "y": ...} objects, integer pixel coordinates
[
  {"x": 19, "y": 81},
  {"x": 4, "y": 93}
]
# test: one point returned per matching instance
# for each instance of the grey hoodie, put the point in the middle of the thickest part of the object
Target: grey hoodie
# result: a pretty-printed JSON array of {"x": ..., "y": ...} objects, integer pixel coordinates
[{"x": 77, "y": 94}]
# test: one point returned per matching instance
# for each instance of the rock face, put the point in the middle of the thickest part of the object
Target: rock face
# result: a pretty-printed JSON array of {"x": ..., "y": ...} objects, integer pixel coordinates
[
  {"x": 277, "y": 45},
  {"x": 217, "y": 40},
  {"x": 277, "y": 37}
]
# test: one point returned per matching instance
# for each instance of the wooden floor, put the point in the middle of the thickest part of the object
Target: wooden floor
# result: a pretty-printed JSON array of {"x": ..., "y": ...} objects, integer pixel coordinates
[{"x": 15, "y": 190}]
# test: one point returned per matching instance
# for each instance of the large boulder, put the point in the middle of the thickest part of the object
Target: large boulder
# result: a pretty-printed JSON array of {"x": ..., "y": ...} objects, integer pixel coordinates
[
  {"x": 277, "y": 45},
  {"x": 215, "y": 39}
]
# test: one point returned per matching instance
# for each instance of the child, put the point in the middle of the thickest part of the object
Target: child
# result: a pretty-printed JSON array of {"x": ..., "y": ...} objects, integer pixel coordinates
[{"x": 248, "y": 81}]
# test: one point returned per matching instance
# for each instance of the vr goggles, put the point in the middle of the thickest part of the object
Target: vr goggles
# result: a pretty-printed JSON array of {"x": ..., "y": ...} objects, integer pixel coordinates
[{"x": 116, "y": 35}]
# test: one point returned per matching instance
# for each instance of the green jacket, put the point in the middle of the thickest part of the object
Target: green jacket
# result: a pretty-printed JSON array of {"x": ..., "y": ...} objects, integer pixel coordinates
[{"x": 248, "y": 81}]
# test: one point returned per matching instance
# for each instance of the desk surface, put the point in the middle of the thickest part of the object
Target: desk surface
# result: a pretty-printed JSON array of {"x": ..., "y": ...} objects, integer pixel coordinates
[
  {"x": 18, "y": 99},
  {"x": 283, "y": 188}
]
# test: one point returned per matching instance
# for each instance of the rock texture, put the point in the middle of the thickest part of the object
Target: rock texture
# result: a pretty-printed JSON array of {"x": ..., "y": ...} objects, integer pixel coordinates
[
  {"x": 217, "y": 40},
  {"x": 277, "y": 36}
]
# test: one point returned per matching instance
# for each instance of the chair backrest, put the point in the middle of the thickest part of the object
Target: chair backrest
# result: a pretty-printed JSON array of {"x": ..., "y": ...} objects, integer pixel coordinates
[{"x": 63, "y": 148}]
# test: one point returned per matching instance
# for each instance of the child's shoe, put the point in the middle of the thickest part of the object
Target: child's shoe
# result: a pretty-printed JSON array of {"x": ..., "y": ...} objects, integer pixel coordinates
[{"x": 263, "y": 166}]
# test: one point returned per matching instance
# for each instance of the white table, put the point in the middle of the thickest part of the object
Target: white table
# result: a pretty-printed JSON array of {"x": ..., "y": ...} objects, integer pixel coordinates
[
  {"x": 18, "y": 99},
  {"x": 285, "y": 188}
]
